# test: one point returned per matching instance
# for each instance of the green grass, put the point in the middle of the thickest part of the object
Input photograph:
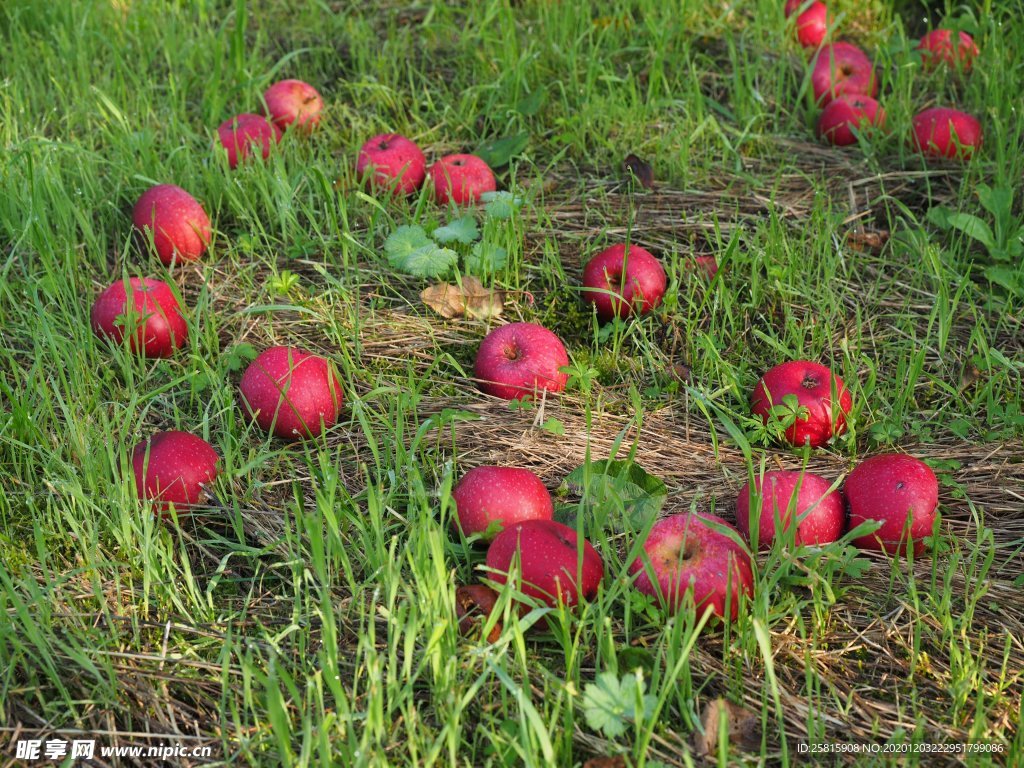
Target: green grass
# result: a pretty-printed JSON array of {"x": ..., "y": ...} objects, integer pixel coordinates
[{"x": 308, "y": 619}]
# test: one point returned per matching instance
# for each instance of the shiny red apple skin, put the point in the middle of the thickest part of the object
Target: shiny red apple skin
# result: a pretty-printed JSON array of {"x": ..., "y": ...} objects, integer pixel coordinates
[
  {"x": 934, "y": 130},
  {"x": 631, "y": 272},
  {"x": 812, "y": 384},
  {"x": 819, "y": 511},
  {"x": 391, "y": 162},
  {"x": 245, "y": 135},
  {"x": 502, "y": 495},
  {"x": 292, "y": 392},
  {"x": 516, "y": 361},
  {"x": 293, "y": 103},
  {"x": 159, "y": 325},
  {"x": 842, "y": 68},
  {"x": 174, "y": 220},
  {"x": 715, "y": 567},
  {"x": 461, "y": 179},
  {"x": 843, "y": 114},
  {"x": 549, "y": 562},
  {"x": 937, "y": 48},
  {"x": 888, "y": 488},
  {"x": 172, "y": 468},
  {"x": 812, "y": 25}
]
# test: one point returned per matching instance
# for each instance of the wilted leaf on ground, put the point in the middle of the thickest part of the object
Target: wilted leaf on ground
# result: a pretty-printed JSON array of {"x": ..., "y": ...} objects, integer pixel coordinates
[
  {"x": 410, "y": 250},
  {"x": 501, "y": 205},
  {"x": 640, "y": 170},
  {"x": 867, "y": 241},
  {"x": 486, "y": 257},
  {"x": 618, "y": 761},
  {"x": 742, "y": 727},
  {"x": 610, "y": 480},
  {"x": 470, "y": 298}
]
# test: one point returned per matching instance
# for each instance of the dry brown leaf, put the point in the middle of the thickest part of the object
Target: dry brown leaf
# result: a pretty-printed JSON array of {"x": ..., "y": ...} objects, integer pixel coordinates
[
  {"x": 470, "y": 298},
  {"x": 742, "y": 726},
  {"x": 606, "y": 762},
  {"x": 640, "y": 170},
  {"x": 867, "y": 241}
]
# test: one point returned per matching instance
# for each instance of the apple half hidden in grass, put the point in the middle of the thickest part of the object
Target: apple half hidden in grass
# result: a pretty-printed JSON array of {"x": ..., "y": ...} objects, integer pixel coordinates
[
  {"x": 461, "y": 179},
  {"x": 173, "y": 221},
  {"x": 393, "y": 163},
  {"x": 842, "y": 68},
  {"x": 789, "y": 496},
  {"x": 247, "y": 134},
  {"x": 812, "y": 23},
  {"x": 149, "y": 315},
  {"x": 518, "y": 360},
  {"x": 811, "y": 384},
  {"x": 623, "y": 280},
  {"x": 291, "y": 392},
  {"x": 551, "y": 567},
  {"x": 684, "y": 558},
  {"x": 293, "y": 103},
  {"x": 900, "y": 492},
  {"x": 172, "y": 468},
  {"x": 945, "y": 132},
  {"x": 493, "y": 498},
  {"x": 937, "y": 48},
  {"x": 846, "y": 114}
]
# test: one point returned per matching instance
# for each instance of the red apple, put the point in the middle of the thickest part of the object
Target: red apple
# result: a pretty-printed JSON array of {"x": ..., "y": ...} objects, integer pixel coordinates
[
  {"x": 247, "y": 133},
  {"x": 461, "y": 179},
  {"x": 620, "y": 281},
  {"x": 937, "y": 47},
  {"x": 474, "y": 603},
  {"x": 787, "y": 495},
  {"x": 842, "y": 115},
  {"x": 706, "y": 264},
  {"x": 812, "y": 384},
  {"x": 291, "y": 392},
  {"x": 150, "y": 316},
  {"x": 293, "y": 102},
  {"x": 943, "y": 132},
  {"x": 172, "y": 468},
  {"x": 502, "y": 495},
  {"x": 516, "y": 360},
  {"x": 892, "y": 488},
  {"x": 550, "y": 566},
  {"x": 392, "y": 162},
  {"x": 686, "y": 556},
  {"x": 842, "y": 68},
  {"x": 174, "y": 220},
  {"x": 812, "y": 24}
]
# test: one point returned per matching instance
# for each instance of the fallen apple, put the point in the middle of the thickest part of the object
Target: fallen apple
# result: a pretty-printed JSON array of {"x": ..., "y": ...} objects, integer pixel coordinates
[
  {"x": 787, "y": 496},
  {"x": 812, "y": 385},
  {"x": 173, "y": 221},
  {"x": 149, "y": 316},
  {"x": 900, "y": 492},
  {"x": 685, "y": 559},
  {"x": 842, "y": 68},
  {"x": 496, "y": 497},
  {"x": 552, "y": 566},
  {"x": 172, "y": 468},
  {"x": 293, "y": 102},
  {"x": 245, "y": 134},
  {"x": 393, "y": 163},
  {"x": 944, "y": 132},
  {"x": 812, "y": 23},
  {"x": 461, "y": 179},
  {"x": 518, "y": 360},
  {"x": 293, "y": 393},
  {"x": 937, "y": 47},
  {"x": 623, "y": 280},
  {"x": 846, "y": 116}
]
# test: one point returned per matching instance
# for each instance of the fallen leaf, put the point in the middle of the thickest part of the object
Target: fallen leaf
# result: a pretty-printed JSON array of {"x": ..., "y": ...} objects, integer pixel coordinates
[
  {"x": 867, "y": 240},
  {"x": 640, "y": 170},
  {"x": 743, "y": 727},
  {"x": 471, "y": 299},
  {"x": 606, "y": 762}
]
